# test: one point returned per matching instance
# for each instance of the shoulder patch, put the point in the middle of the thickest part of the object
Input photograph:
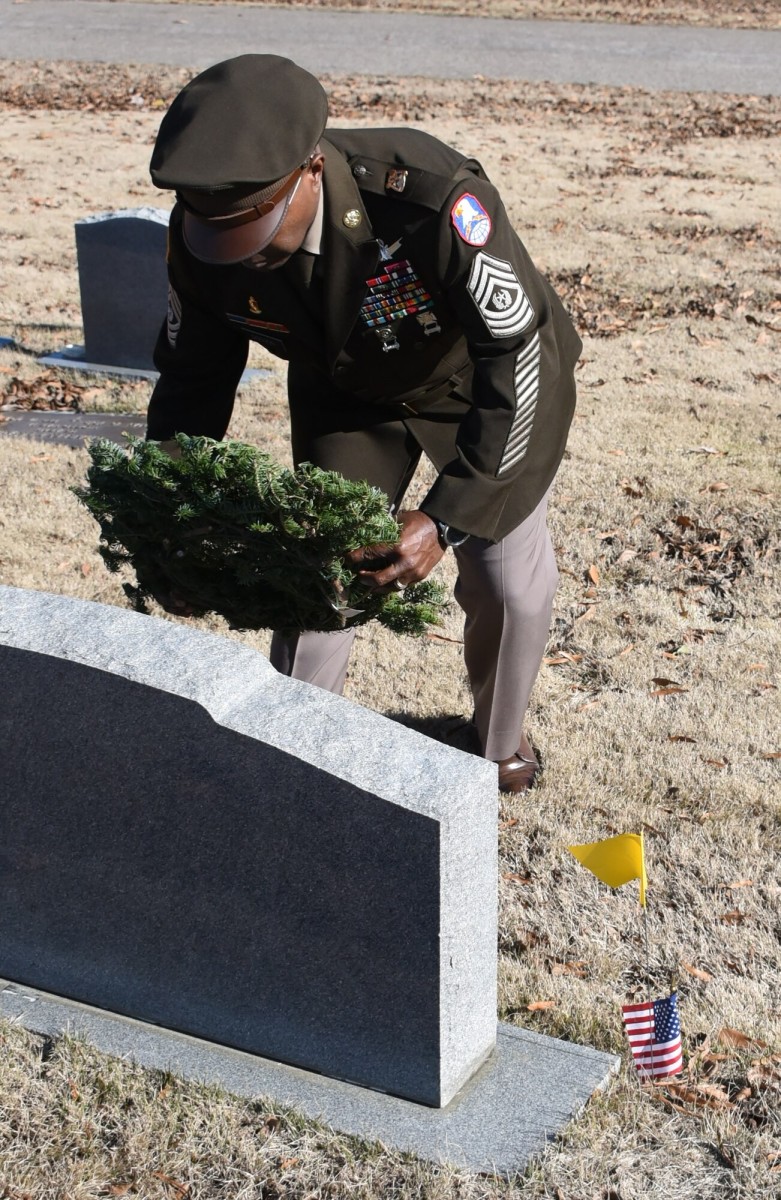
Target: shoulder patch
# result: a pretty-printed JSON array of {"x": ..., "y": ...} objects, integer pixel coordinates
[
  {"x": 498, "y": 293},
  {"x": 470, "y": 220}
]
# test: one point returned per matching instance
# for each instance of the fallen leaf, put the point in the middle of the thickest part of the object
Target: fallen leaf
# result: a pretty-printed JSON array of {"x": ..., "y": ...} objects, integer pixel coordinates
[
  {"x": 756, "y": 667},
  {"x": 86, "y": 568},
  {"x": 741, "y": 883},
  {"x": 590, "y": 612},
  {"x": 570, "y": 968},
  {"x": 662, "y": 682},
  {"x": 593, "y": 574},
  {"x": 181, "y": 1189},
  {"x": 772, "y": 754},
  {"x": 742, "y": 1041},
  {"x": 706, "y": 450},
  {"x": 541, "y": 1005},
  {"x": 703, "y": 1095},
  {"x": 286, "y": 1163},
  {"x": 41, "y": 458},
  {"x": 668, "y": 691},
  {"x": 733, "y": 917},
  {"x": 715, "y": 1091},
  {"x": 668, "y": 1103},
  {"x": 696, "y": 972},
  {"x": 636, "y": 489},
  {"x": 717, "y": 762},
  {"x": 719, "y": 486},
  {"x": 508, "y": 824},
  {"x": 681, "y": 737},
  {"x": 515, "y": 877},
  {"x": 765, "y": 1073}
]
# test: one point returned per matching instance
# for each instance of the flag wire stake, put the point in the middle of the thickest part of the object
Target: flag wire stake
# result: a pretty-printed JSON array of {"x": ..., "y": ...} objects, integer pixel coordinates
[{"x": 648, "y": 986}]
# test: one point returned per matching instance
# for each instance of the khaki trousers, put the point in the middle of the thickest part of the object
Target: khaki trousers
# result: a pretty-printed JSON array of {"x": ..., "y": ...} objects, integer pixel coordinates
[{"x": 506, "y": 591}]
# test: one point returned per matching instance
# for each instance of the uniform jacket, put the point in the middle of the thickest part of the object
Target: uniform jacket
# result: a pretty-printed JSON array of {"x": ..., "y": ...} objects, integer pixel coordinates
[{"x": 424, "y": 304}]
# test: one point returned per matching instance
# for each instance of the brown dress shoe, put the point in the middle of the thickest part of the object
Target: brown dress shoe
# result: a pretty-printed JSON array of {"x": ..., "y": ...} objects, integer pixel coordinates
[{"x": 518, "y": 772}]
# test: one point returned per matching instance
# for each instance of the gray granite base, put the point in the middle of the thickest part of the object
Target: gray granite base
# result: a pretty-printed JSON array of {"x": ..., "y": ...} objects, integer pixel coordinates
[
  {"x": 526, "y": 1093},
  {"x": 70, "y": 428},
  {"x": 73, "y": 357}
]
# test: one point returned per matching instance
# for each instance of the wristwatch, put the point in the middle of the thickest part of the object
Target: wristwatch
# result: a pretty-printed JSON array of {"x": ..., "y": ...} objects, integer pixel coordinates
[{"x": 448, "y": 536}]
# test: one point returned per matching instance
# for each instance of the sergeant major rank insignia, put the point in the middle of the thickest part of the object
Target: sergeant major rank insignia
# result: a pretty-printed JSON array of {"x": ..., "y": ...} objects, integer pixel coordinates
[
  {"x": 470, "y": 220},
  {"x": 498, "y": 293}
]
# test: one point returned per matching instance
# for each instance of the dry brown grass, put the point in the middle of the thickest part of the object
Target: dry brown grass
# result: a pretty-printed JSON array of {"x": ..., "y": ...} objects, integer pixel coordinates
[{"x": 659, "y": 219}]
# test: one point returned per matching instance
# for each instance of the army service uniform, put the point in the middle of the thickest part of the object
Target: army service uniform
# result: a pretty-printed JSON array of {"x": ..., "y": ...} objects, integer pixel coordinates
[{"x": 421, "y": 325}]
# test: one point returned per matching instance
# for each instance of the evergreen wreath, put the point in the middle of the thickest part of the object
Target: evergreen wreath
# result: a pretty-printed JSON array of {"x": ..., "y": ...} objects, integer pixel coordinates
[{"x": 230, "y": 531}]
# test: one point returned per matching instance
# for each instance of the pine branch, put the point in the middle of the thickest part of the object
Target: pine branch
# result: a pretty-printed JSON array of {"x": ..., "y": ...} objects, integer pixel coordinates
[{"x": 230, "y": 531}]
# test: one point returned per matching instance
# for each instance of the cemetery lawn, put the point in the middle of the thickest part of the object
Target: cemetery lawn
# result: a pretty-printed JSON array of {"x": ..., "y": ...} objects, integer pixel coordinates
[{"x": 658, "y": 219}]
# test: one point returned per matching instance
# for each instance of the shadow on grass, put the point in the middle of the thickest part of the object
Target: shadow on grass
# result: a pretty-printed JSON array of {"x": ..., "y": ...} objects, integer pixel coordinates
[{"x": 452, "y": 730}]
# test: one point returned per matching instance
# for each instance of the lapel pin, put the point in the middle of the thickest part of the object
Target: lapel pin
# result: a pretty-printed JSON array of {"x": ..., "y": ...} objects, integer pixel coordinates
[
  {"x": 352, "y": 218},
  {"x": 396, "y": 181}
]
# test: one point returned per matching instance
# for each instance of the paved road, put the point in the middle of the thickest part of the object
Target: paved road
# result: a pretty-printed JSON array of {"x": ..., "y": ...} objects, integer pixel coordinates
[{"x": 655, "y": 57}]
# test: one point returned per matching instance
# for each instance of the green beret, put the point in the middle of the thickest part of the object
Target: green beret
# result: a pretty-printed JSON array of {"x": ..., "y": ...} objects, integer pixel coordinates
[{"x": 243, "y": 124}]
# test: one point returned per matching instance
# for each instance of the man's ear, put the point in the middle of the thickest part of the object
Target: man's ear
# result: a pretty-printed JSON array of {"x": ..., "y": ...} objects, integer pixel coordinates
[{"x": 316, "y": 168}]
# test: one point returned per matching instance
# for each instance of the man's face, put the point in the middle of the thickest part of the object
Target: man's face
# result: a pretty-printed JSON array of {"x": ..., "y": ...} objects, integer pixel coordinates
[{"x": 298, "y": 218}]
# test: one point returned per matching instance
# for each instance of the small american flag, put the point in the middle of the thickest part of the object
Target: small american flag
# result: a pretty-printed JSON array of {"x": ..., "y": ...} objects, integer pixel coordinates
[{"x": 654, "y": 1032}]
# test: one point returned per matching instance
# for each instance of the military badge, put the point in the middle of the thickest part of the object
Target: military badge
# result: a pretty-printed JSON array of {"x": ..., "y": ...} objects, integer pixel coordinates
[
  {"x": 396, "y": 180},
  {"x": 470, "y": 220},
  {"x": 253, "y": 305},
  {"x": 174, "y": 319},
  {"x": 499, "y": 296},
  {"x": 395, "y": 293},
  {"x": 265, "y": 332}
]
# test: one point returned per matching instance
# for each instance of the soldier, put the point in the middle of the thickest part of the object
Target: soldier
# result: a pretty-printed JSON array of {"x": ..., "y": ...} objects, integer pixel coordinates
[{"x": 380, "y": 263}]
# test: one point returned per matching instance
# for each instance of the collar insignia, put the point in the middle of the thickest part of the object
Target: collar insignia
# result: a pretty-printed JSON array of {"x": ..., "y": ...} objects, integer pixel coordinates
[{"x": 396, "y": 180}]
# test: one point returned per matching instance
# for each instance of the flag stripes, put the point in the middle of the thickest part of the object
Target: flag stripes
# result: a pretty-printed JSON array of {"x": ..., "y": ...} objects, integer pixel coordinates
[{"x": 654, "y": 1032}]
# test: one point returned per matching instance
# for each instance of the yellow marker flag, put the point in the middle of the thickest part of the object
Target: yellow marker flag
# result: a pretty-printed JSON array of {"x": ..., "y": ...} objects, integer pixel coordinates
[{"x": 616, "y": 860}]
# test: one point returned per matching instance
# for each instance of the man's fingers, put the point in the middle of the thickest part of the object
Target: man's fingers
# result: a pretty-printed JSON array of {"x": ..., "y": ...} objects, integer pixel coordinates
[
  {"x": 369, "y": 554},
  {"x": 380, "y": 579}
]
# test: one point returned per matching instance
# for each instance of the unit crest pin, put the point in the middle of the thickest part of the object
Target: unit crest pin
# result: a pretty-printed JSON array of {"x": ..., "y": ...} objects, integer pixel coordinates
[
  {"x": 396, "y": 180},
  {"x": 352, "y": 218}
]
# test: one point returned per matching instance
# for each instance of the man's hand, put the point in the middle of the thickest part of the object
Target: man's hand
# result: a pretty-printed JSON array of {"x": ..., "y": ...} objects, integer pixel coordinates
[{"x": 408, "y": 561}]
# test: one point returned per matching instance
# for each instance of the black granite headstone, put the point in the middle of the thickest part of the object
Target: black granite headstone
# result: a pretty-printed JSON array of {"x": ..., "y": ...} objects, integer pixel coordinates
[{"x": 123, "y": 283}]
